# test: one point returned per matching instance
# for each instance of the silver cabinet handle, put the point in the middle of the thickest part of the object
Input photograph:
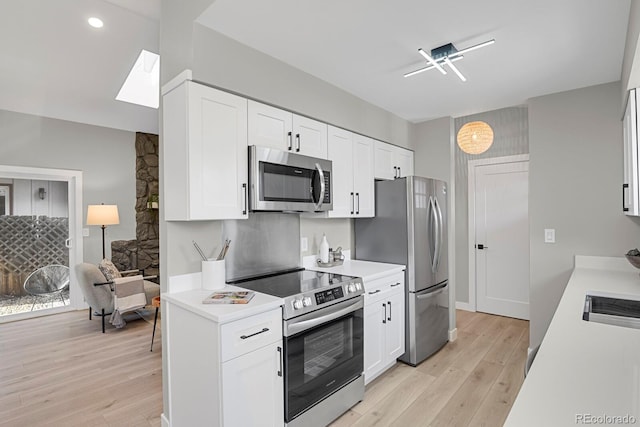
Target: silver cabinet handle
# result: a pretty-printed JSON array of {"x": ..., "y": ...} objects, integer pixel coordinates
[
  {"x": 245, "y": 199},
  {"x": 399, "y": 172},
  {"x": 280, "y": 357},
  {"x": 353, "y": 204},
  {"x": 290, "y": 146},
  {"x": 395, "y": 284},
  {"x": 374, "y": 292},
  {"x": 389, "y": 318},
  {"x": 395, "y": 172},
  {"x": 384, "y": 319},
  {"x": 244, "y": 337},
  {"x": 358, "y": 204},
  {"x": 297, "y": 142}
]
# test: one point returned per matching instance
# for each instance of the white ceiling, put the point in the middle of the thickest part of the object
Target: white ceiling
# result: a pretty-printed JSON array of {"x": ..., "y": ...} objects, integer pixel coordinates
[
  {"x": 365, "y": 47},
  {"x": 53, "y": 64}
]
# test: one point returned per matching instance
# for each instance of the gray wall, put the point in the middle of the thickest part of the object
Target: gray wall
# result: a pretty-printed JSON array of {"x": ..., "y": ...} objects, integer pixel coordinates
[
  {"x": 631, "y": 63},
  {"x": 575, "y": 181},
  {"x": 105, "y": 156},
  {"x": 510, "y": 137}
]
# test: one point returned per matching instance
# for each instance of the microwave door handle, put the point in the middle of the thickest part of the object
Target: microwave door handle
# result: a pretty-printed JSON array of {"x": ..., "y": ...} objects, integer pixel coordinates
[{"x": 322, "y": 188}]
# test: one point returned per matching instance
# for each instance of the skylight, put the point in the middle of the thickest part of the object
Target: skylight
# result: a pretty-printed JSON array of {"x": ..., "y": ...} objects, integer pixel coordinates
[{"x": 142, "y": 85}]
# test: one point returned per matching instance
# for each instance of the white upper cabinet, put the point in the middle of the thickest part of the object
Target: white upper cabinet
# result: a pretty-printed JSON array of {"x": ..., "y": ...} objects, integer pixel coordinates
[
  {"x": 352, "y": 164},
  {"x": 205, "y": 154},
  {"x": 630, "y": 187},
  {"x": 283, "y": 130},
  {"x": 392, "y": 162}
]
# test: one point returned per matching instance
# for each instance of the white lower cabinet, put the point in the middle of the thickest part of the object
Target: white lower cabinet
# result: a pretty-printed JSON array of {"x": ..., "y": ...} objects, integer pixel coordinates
[
  {"x": 224, "y": 375},
  {"x": 384, "y": 324}
]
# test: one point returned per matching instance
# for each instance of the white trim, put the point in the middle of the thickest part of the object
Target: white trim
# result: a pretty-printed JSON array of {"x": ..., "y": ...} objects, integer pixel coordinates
[
  {"x": 464, "y": 306},
  {"x": 33, "y": 314},
  {"x": 74, "y": 181},
  {"x": 164, "y": 420},
  {"x": 453, "y": 334},
  {"x": 471, "y": 214}
]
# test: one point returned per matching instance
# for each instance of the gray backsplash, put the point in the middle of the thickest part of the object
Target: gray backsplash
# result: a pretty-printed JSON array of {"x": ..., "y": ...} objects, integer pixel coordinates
[{"x": 265, "y": 243}]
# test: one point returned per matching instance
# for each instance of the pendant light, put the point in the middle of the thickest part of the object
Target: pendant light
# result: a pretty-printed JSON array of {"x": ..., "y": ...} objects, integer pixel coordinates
[{"x": 475, "y": 137}]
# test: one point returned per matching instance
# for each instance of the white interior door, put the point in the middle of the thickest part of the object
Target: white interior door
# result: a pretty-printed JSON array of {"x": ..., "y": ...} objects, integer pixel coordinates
[{"x": 502, "y": 238}]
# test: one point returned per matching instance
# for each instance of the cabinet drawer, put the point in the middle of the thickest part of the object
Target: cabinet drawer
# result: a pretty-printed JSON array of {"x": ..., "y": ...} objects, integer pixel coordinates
[
  {"x": 378, "y": 288},
  {"x": 243, "y": 336}
]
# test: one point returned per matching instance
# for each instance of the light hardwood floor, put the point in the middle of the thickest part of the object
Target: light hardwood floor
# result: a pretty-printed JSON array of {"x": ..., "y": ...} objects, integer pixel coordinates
[{"x": 61, "y": 371}]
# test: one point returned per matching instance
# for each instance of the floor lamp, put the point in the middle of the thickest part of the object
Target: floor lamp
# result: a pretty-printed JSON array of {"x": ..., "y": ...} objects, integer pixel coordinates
[{"x": 102, "y": 215}]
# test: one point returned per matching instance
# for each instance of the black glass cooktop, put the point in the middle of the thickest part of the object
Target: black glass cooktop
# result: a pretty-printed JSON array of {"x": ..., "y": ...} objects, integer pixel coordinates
[{"x": 291, "y": 283}]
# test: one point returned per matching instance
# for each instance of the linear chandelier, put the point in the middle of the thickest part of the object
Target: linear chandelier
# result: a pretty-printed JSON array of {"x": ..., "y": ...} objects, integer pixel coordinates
[{"x": 445, "y": 56}]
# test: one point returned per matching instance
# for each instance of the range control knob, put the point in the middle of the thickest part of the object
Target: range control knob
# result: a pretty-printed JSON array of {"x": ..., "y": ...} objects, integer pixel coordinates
[
  {"x": 351, "y": 288},
  {"x": 297, "y": 304},
  {"x": 306, "y": 301}
]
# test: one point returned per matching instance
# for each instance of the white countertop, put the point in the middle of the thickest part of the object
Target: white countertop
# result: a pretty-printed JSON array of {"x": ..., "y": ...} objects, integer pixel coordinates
[
  {"x": 222, "y": 313},
  {"x": 584, "y": 370},
  {"x": 351, "y": 267}
]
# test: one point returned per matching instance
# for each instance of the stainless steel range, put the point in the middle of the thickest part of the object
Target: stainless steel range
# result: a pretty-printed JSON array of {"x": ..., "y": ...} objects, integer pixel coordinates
[{"x": 323, "y": 342}]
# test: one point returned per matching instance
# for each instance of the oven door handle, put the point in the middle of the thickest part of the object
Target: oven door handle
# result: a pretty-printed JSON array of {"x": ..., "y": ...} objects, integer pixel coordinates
[{"x": 303, "y": 325}]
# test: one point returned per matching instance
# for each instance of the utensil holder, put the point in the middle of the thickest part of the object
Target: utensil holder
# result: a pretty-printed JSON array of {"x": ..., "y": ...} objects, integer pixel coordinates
[{"x": 213, "y": 274}]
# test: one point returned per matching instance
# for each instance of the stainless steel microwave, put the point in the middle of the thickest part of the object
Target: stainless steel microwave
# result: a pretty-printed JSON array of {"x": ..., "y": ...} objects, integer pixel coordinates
[{"x": 283, "y": 181}]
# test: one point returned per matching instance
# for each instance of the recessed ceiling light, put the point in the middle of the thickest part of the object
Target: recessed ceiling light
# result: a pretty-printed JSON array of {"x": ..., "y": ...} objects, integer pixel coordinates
[
  {"x": 142, "y": 85},
  {"x": 95, "y": 22}
]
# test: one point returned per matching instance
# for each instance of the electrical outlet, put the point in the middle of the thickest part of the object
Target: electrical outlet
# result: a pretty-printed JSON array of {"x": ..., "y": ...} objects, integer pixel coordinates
[
  {"x": 549, "y": 235},
  {"x": 304, "y": 244}
]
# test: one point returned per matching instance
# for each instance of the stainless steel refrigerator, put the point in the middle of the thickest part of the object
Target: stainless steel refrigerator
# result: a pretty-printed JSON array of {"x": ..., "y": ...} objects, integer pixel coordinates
[{"x": 410, "y": 228}]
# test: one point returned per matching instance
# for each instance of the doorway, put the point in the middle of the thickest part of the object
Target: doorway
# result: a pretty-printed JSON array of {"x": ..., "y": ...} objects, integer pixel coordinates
[
  {"x": 499, "y": 235},
  {"x": 40, "y": 223}
]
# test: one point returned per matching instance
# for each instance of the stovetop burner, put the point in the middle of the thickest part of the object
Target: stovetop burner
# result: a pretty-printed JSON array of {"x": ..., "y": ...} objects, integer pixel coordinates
[{"x": 305, "y": 290}]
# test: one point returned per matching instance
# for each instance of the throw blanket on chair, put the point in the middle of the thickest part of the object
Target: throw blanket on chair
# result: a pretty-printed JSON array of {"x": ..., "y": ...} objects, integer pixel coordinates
[{"x": 129, "y": 296}]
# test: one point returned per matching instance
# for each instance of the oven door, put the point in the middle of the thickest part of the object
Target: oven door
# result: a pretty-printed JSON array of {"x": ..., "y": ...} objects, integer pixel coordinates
[{"x": 323, "y": 352}]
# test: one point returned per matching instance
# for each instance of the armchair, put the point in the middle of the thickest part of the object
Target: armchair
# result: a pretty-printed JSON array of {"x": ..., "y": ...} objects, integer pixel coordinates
[{"x": 98, "y": 291}]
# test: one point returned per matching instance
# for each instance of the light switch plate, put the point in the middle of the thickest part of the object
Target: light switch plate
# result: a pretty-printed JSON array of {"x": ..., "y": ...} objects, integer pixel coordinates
[
  {"x": 304, "y": 244},
  {"x": 85, "y": 232},
  {"x": 549, "y": 235}
]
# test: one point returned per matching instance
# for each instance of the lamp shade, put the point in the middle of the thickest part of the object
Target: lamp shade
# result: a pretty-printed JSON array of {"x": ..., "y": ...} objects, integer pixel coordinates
[
  {"x": 102, "y": 215},
  {"x": 475, "y": 137}
]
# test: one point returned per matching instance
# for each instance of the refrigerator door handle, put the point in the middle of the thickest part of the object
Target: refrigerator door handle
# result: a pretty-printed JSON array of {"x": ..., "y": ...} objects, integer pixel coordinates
[
  {"x": 440, "y": 223},
  {"x": 433, "y": 233},
  {"x": 431, "y": 292}
]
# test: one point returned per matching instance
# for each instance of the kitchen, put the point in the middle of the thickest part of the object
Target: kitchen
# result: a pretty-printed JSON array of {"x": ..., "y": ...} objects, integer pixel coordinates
[
  {"x": 545, "y": 151},
  {"x": 558, "y": 139}
]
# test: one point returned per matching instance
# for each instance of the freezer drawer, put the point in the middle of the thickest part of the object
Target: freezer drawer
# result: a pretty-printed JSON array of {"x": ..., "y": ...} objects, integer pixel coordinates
[{"x": 427, "y": 323}]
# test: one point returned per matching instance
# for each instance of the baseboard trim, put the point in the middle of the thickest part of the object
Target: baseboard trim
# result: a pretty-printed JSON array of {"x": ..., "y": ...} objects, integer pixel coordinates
[
  {"x": 465, "y": 306},
  {"x": 453, "y": 334},
  {"x": 164, "y": 421}
]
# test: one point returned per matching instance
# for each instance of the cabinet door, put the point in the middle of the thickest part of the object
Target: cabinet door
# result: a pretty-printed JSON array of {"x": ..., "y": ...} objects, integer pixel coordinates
[
  {"x": 403, "y": 160},
  {"x": 374, "y": 337},
  {"x": 309, "y": 137},
  {"x": 270, "y": 127},
  {"x": 630, "y": 189},
  {"x": 252, "y": 389},
  {"x": 394, "y": 338},
  {"x": 340, "y": 149},
  {"x": 217, "y": 154},
  {"x": 383, "y": 161},
  {"x": 363, "y": 179}
]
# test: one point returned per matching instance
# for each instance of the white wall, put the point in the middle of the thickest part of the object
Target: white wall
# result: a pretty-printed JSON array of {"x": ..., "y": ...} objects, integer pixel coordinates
[
  {"x": 106, "y": 157},
  {"x": 575, "y": 187}
]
